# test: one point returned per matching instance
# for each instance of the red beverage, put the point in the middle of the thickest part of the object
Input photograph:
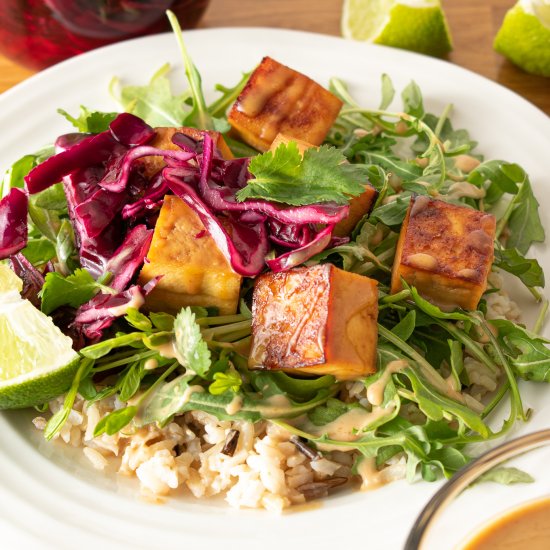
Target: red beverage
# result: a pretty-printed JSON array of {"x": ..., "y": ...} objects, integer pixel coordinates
[{"x": 38, "y": 33}]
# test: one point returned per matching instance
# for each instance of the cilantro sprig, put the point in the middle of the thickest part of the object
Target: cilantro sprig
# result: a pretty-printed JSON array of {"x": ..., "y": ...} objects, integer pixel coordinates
[{"x": 321, "y": 175}]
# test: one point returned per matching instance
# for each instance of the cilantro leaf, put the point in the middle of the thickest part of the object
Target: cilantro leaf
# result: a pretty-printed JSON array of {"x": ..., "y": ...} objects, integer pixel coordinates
[
  {"x": 225, "y": 381},
  {"x": 154, "y": 102},
  {"x": 191, "y": 347},
  {"x": 89, "y": 121},
  {"x": 74, "y": 290},
  {"x": 320, "y": 176}
]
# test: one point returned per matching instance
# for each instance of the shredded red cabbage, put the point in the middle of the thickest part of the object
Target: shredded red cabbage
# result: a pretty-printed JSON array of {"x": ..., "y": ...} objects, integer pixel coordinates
[
  {"x": 302, "y": 254},
  {"x": 129, "y": 257},
  {"x": 13, "y": 222},
  {"x": 33, "y": 280},
  {"x": 112, "y": 207}
]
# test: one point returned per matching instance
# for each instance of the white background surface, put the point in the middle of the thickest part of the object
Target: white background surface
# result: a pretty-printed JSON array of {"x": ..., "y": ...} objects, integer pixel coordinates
[{"x": 51, "y": 498}]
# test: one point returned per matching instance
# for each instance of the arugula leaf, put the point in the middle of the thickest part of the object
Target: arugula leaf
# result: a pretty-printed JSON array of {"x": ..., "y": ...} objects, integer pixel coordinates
[
  {"x": 388, "y": 92},
  {"x": 167, "y": 400},
  {"x": 200, "y": 116},
  {"x": 412, "y": 100},
  {"x": 526, "y": 351},
  {"x": 191, "y": 347},
  {"x": 89, "y": 121},
  {"x": 506, "y": 475},
  {"x": 154, "y": 102},
  {"x": 15, "y": 174},
  {"x": 434, "y": 404},
  {"x": 433, "y": 311},
  {"x": 499, "y": 183},
  {"x": 65, "y": 248},
  {"x": 228, "y": 97},
  {"x": 52, "y": 198},
  {"x": 524, "y": 222},
  {"x": 455, "y": 140},
  {"x": 527, "y": 270},
  {"x": 225, "y": 381},
  {"x": 393, "y": 213},
  {"x": 74, "y": 290},
  {"x": 405, "y": 327},
  {"x": 39, "y": 251},
  {"x": 329, "y": 411},
  {"x": 320, "y": 176}
]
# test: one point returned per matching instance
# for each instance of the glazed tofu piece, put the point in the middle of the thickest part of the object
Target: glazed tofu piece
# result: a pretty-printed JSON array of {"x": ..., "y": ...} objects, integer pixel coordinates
[
  {"x": 315, "y": 320},
  {"x": 277, "y": 99},
  {"x": 281, "y": 139},
  {"x": 445, "y": 251},
  {"x": 358, "y": 206},
  {"x": 194, "y": 271},
  {"x": 163, "y": 140}
]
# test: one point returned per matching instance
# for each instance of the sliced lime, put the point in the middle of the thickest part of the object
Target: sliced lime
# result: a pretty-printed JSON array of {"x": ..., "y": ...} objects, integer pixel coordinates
[
  {"x": 418, "y": 26},
  {"x": 37, "y": 361}
]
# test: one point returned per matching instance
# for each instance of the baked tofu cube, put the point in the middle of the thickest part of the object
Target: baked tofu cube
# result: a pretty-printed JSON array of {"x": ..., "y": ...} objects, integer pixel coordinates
[
  {"x": 281, "y": 139},
  {"x": 315, "y": 320},
  {"x": 358, "y": 206},
  {"x": 277, "y": 99},
  {"x": 163, "y": 140},
  {"x": 194, "y": 271},
  {"x": 445, "y": 251}
]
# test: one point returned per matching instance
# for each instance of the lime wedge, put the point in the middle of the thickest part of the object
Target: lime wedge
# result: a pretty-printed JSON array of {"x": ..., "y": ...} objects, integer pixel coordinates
[
  {"x": 10, "y": 283},
  {"x": 524, "y": 37},
  {"x": 37, "y": 361},
  {"x": 418, "y": 25}
]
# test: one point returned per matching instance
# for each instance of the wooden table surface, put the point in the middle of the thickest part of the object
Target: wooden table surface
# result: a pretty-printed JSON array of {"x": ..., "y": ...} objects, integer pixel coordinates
[{"x": 473, "y": 24}]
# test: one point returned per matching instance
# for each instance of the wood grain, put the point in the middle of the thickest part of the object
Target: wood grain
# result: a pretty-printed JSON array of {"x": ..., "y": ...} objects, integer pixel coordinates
[{"x": 473, "y": 25}]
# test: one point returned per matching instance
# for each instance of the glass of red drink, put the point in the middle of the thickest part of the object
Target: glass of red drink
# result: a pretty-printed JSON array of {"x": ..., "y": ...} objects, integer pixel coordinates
[{"x": 39, "y": 33}]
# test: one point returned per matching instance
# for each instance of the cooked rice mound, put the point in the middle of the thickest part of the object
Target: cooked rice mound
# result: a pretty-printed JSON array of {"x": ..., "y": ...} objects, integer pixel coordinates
[{"x": 266, "y": 470}]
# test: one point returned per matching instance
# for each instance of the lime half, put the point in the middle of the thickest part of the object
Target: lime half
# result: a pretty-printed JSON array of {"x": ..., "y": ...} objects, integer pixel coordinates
[
  {"x": 37, "y": 361},
  {"x": 418, "y": 25},
  {"x": 524, "y": 37}
]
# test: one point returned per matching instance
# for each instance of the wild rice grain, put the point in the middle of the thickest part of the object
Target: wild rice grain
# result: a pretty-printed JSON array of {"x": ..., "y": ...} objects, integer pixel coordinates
[{"x": 231, "y": 442}]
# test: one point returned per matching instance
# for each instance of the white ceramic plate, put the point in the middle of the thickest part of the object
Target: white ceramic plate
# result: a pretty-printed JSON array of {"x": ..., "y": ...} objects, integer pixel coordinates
[{"x": 49, "y": 497}]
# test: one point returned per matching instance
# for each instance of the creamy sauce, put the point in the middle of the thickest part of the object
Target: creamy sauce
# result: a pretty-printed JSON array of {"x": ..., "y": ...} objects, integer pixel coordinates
[
  {"x": 136, "y": 302},
  {"x": 350, "y": 425},
  {"x": 465, "y": 189},
  {"x": 370, "y": 474},
  {"x": 235, "y": 405},
  {"x": 278, "y": 405},
  {"x": 169, "y": 351},
  {"x": 151, "y": 364},
  {"x": 190, "y": 390},
  {"x": 525, "y": 527},
  {"x": 375, "y": 392}
]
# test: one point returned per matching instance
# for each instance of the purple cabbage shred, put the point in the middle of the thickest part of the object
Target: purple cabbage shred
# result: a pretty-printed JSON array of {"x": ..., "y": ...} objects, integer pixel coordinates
[{"x": 13, "y": 223}]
